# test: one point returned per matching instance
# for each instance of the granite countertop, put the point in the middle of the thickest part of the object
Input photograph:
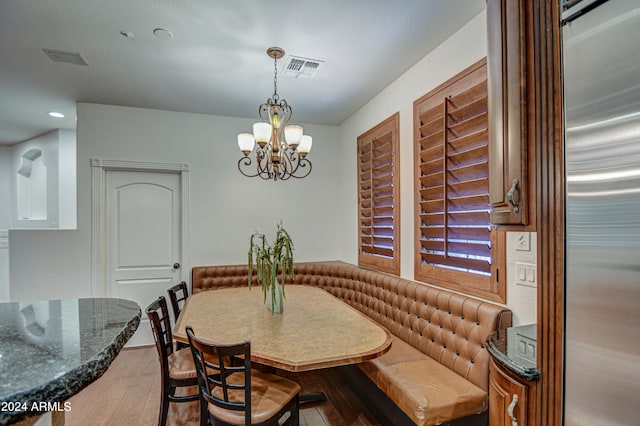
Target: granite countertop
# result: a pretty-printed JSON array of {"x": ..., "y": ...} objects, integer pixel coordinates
[
  {"x": 512, "y": 348},
  {"x": 52, "y": 349}
]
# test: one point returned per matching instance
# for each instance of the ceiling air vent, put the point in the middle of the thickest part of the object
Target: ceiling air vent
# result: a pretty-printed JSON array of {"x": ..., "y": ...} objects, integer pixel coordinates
[
  {"x": 297, "y": 66},
  {"x": 66, "y": 57}
]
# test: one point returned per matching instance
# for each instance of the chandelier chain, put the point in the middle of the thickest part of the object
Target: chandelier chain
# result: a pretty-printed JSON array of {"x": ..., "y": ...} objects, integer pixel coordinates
[{"x": 275, "y": 79}]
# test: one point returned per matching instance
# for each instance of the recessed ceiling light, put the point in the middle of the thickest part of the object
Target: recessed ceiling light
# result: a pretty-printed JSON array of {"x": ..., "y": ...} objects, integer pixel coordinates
[
  {"x": 56, "y": 114},
  {"x": 163, "y": 34}
]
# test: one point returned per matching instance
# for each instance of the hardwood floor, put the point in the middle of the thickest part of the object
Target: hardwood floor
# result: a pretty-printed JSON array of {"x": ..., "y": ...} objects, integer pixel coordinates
[{"x": 129, "y": 394}]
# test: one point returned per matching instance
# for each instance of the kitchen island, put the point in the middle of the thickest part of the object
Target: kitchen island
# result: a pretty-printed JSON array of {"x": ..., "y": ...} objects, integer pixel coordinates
[{"x": 52, "y": 349}]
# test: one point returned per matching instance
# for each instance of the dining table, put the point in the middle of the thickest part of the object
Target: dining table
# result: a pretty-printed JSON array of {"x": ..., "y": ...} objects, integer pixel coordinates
[{"x": 315, "y": 330}]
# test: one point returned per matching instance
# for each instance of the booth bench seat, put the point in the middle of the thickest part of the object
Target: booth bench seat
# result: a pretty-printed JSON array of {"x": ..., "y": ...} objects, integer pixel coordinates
[{"x": 437, "y": 369}]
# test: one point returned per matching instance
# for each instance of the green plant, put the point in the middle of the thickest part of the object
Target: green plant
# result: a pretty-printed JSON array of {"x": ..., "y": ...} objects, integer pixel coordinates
[{"x": 271, "y": 260}]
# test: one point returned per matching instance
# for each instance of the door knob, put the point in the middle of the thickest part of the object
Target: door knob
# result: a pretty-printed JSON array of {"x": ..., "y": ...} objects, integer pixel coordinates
[{"x": 176, "y": 265}]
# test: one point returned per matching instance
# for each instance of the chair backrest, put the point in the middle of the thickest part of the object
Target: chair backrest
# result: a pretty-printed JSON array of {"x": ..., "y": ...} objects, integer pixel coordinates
[
  {"x": 227, "y": 368},
  {"x": 161, "y": 326},
  {"x": 178, "y": 294}
]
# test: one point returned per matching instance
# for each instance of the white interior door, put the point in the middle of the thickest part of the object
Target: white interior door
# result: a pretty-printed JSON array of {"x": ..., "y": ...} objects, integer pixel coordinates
[{"x": 143, "y": 213}]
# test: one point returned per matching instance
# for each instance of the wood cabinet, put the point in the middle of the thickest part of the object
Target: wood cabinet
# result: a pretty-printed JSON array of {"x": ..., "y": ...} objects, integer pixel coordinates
[
  {"x": 512, "y": 400},
  {"x": 507, "y": 91}
]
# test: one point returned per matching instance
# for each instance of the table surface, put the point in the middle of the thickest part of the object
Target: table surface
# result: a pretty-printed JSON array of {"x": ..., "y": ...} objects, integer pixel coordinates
[
  {"x": 316, "y": 330},
  {"x": 52, "y": 349}
]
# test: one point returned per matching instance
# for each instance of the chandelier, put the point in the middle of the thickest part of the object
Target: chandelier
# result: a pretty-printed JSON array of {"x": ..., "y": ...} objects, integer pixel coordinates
[{"x": 275, "y": 157}]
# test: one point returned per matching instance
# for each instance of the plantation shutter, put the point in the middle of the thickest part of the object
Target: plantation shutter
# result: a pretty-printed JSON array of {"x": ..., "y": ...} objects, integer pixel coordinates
[
  {"x": 378, "y": 197},
  {"x": 453, "y": 232}
]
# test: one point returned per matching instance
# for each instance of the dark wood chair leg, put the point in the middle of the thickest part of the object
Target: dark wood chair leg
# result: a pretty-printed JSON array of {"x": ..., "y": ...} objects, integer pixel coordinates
[
  {"x": 295, "y": 413},
  {"x": 204, "y": 413},
  {"x": 164, "y": 406}
]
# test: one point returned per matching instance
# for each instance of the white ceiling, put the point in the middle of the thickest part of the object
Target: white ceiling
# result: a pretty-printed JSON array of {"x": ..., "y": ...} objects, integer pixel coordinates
[{"x": 216, "y": 61}]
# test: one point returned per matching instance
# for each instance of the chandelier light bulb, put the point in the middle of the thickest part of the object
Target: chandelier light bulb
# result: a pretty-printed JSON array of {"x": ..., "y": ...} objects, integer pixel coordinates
[
  {"x": 262, "y": 133},
  {"x": 246, "y": 142},
  {"x": 305, "y": 145},
  {"x": 292, "y": 135}
]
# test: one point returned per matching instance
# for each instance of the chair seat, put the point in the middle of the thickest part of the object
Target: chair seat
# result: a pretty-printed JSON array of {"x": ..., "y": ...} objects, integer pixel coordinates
[
  {"x": 181, "y": 365},
  {"x": 269, "y": 393}
]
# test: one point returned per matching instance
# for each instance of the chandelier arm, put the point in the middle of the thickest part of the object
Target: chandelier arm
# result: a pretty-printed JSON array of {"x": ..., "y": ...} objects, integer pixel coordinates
[
  {"x": 295, "y": 161},
  {"x": 245, "y": 162},
  {"x": 286, "y": 165},
  {"x": 288, "y": 112},
  {"x": 261, "y": 110},
  {"x": 303, "y": 165},
  {"x": 262, "y": 163}
]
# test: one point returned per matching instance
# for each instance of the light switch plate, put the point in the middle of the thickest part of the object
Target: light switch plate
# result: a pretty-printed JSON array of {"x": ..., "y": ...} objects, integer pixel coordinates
[{"x": 526, "y": 274}]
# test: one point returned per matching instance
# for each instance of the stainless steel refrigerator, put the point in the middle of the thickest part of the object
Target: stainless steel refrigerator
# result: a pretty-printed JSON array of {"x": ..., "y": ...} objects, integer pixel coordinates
[{"x": 601, "y": 60}]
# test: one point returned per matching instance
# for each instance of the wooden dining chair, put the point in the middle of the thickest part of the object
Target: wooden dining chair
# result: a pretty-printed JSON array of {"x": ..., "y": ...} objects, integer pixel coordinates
[
  {"x": 178, "y": 294},
  {"x": 231, "y": 393},
  {"x": 176, "y": 366}
]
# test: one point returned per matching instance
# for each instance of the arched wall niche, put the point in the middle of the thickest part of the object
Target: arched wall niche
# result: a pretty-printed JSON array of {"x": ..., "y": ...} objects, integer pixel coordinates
[
  {"x": 31, "y": 186},
  {"x": 27, "y": 161}
]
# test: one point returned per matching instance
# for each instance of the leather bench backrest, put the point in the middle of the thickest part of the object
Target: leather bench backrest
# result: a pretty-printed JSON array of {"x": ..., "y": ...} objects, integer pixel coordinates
[{"x": 449, "y": 327}]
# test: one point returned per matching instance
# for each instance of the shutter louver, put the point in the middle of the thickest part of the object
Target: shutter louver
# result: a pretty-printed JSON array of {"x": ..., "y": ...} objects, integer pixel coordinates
[
  {"x": 378, "y": 197},
  {"x": 452, "y": 187}
]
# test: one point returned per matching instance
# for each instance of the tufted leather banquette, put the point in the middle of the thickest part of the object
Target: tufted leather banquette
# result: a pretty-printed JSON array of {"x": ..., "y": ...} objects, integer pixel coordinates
[{"x": 437, "y": 369}]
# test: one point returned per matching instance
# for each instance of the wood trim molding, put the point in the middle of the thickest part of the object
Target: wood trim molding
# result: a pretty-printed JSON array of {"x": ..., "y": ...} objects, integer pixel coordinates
[
  {"x": 389, "y": 126},
  {"x": 99, "y": 168},
  {"x": 138, "y": 165},
  {"x": 185, "y": 270},
  {"x": 433, "y": 107},
  {"x": 544, "y": 39},
  {"x": 98, "y": 253}
]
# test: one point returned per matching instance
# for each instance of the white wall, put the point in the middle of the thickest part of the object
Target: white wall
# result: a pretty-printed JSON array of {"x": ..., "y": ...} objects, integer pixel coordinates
[
  {"x": 226, "y": 207},
  {"x": 469, "y": 45},
  {"x": 67, "y": 195},
  {"x": 48, "y": 264},
  {"x": 5, "y": 187},
  {"x": 5, "y": 220},
  {"x": 42, "y": 270},
  {"x": 521, "y": 299}
]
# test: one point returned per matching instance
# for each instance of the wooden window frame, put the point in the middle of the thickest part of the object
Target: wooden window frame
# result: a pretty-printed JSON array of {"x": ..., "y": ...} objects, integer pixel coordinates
[
  {"x": 388, "y": 128},
  {"x": 436, "y": 104}
]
